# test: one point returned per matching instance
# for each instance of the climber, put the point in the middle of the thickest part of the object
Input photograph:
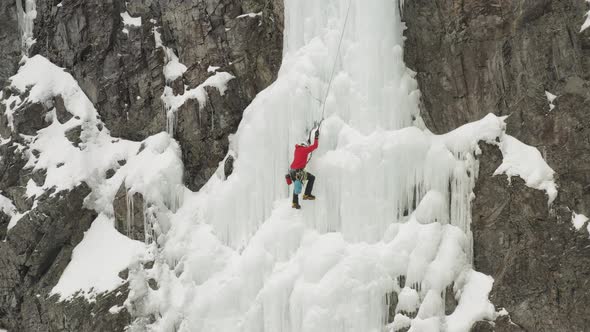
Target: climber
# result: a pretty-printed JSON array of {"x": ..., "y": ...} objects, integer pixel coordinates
[{"x": 298, "y": 173}]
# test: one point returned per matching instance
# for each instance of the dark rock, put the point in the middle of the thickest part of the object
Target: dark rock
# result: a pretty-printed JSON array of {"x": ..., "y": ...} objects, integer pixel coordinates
[
  {"x": 129, "y": 215},
  {"x": 38, "y": 176},
  {"x": 29, "y": 118},
  {"x": 475, "y": 57},
  {"x": 153, "y": 284},
  {"x": 539, "y": 263},
  {"x": 228, "y": 166},
  {"x": 110, "y": 173},
  {"x": 122, "y": 162},
  {"x": 18, "y": 196},
  {"x": 392, "y": 301},
  {"x": 148, "y": 265},
  {"x": 62, "y": 114},
  {"x": 4, "y": 221},
  {"x": 122, "y": 75},
  {"x": 501, "y": 324},
  {"x": 11, "y": 163},
  {"x": 111, "y": 67},
  {"x": 450, "y": 301},
  {"x": 73, "y": 135},
  {"x": 124, "y": 274},
  {"x": 10, "y": 39},
  {"x": 36, "y": 252}
]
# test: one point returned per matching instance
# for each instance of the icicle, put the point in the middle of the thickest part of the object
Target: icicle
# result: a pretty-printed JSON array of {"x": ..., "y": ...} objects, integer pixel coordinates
[{"x": 26, "y": 18}]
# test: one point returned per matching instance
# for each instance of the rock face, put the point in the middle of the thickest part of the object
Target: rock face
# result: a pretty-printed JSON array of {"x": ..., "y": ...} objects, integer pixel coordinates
[
  {"x": 120, "y": 67},
  {"x": 129, "y": 216},
  {"x": 33, "y": 257},
  {"x": 10, "y": 39},
  {"x": 474, "y": 57}
]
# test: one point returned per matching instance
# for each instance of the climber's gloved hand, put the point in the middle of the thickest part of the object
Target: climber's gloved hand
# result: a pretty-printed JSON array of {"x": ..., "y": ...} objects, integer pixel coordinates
[{"x": 317, "y": 134}]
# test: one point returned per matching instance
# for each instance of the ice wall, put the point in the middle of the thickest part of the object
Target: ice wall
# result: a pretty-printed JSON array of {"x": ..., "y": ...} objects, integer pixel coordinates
[{"x": 389, "y": 232}]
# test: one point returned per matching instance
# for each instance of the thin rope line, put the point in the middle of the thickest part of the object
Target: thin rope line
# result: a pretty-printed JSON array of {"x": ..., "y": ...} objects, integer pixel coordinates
[{"x": 336, "y": 59}]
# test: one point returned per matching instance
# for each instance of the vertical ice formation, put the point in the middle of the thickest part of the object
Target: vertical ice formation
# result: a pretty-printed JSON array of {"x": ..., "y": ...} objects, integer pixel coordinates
[
  {"x": 27, "y": 12},
  {"x": 393, "y": 208}
]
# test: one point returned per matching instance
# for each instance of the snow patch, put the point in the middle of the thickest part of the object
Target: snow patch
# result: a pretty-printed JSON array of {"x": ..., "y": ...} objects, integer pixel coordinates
[
  {"x": 250, "y": 15},
  {"x": 550, "y": 98},
  {"x": 6, "y": 206},
  {"x": 10, "y": 210},
  {"x": 526, "y": 161},
  {"x": 578, "y": 220},
  {"x": 116, "y": 309},
  {"x": 97, "y": 261},
  {"x": 130, "y": 21}
]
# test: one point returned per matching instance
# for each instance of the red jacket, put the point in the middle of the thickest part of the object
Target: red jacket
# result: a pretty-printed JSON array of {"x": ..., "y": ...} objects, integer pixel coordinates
[{"x": 301, "y": 153}]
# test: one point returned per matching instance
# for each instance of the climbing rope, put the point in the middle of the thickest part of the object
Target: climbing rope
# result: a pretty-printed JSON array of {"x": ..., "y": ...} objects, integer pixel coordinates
[
  {"x": 317, "y": 124},
  {"x": 336, "y": 59}
]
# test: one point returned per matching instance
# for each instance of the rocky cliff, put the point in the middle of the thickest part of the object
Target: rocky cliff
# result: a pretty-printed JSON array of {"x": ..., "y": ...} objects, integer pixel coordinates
[
  {"x": 118, "y": 53},
  {"x": 474, "y": 57}
]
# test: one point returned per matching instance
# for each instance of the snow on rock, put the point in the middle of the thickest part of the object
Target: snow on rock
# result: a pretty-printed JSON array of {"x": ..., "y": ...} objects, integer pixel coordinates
[
  {"x": 578, "y": 220},
  {"x": 400, "y": 321},
  {"x": 473, "y": 303},
  {"x": 408, "y": 300},
  {"x": 48, "y": 80},
  {"x": 250, "y": 15},
  {"x": 173, "y": 102},
  {"x": 9, "y": 209},
  {"x": 97, "y": 261},
  {"x": 526, "y": 161},
  {"x": 115, "y": 309},
  {"x": 153, "y": 168},
  {"x": 550, "y": 98},
  {"x": 130, "y": 21},
  {"x": 212, "y": 69},
  {"x": 586, "y": 23},
  {"x": 173, "y": 69},
  {"x": 7, "y": 206},
  {"x": 67, "y": 165}
]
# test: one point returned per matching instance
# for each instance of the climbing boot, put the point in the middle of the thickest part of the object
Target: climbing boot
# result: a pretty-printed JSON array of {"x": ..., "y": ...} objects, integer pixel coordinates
[
  {"x": 296, "y": 206},
  {"x": 308, "y": 197}
]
